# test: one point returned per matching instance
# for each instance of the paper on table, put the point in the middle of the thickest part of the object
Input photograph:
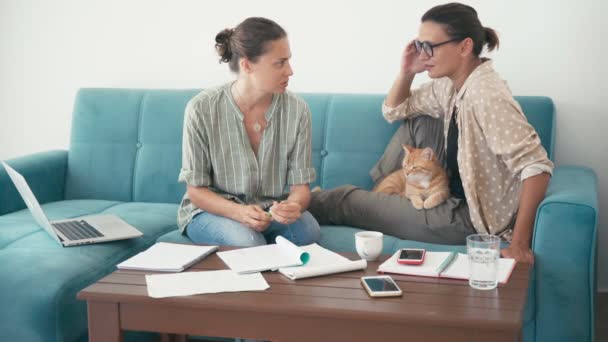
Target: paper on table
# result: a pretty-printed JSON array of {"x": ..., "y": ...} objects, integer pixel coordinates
[
  {"x": 428, "y": 268},
  {"x": 167, "y": 257},
  {"x": 458, "y": 269},
  {"x": 262, "y": 258},
  {"x": 191, "y": 283},
  {"x": 322, "y": 262}
]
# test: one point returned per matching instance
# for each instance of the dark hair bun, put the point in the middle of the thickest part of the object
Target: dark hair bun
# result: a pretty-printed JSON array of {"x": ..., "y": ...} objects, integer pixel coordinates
[
  {"x": 222, "y": 45},
  {"x": 491, "y": 40}
]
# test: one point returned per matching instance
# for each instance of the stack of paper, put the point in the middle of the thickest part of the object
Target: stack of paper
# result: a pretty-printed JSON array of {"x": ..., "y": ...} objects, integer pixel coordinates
[
  {"x": 167, "y": 257},
  {"x": 262, "y": 258},
  {"x": 191, "y": 283},
  {"x": 322, "y": 262}
]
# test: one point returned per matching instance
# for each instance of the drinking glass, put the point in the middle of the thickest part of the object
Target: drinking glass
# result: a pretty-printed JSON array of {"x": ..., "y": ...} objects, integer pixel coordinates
[{"x": 483, "y": 251}]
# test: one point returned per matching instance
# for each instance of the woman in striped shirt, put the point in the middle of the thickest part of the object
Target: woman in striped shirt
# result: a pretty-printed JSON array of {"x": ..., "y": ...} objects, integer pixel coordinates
[{"x": 247, "y": 155}]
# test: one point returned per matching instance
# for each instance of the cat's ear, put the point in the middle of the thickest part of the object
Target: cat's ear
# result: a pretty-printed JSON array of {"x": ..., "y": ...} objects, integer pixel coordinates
[
  {"x": 407, "y": 149},
  {"x": 427, "y": 153}
]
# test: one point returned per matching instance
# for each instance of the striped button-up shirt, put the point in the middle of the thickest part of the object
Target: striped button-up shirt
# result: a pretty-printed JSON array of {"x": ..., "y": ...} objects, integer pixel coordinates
[{"x": 217, "y": 153}]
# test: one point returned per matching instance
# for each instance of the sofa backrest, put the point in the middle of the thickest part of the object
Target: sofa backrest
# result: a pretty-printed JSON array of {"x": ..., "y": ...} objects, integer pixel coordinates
[{"x": 126, "y": 143}]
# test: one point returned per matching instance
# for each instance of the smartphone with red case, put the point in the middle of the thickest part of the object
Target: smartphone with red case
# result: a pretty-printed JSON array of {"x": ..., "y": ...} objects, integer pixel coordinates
[{"x": 411, "y": 256}]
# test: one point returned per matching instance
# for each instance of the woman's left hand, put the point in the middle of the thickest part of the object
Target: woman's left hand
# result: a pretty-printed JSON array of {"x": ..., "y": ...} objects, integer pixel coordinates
[
  {"x": 521, "y": 254},
  {"x": 286, "y": 212}
]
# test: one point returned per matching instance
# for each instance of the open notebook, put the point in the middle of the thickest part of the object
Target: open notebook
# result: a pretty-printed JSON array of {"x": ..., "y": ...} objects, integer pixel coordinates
[
  {"x": 444, "y": 265},
  {"x": 322, "y": 262},
  {"x": 292, "y": 261},
  {"x": 263, "y": 258}
]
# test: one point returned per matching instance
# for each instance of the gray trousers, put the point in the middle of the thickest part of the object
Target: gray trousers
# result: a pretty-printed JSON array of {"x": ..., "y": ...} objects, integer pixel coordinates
[{"x": 448, "y": 223}]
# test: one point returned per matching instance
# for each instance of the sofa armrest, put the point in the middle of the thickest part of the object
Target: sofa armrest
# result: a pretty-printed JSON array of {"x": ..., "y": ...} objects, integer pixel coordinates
[
  {"x": 45, "y": 174},
  {"x": 564, "y": 244}
]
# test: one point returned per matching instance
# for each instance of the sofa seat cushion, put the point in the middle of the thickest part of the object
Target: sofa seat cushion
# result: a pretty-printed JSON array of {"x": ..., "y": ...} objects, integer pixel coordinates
[
  {"x": 21, "y": 225},
  {"x": 335, "y": 238},
  {"x": 342, "y": 239},
  {"x": 152, "y": 219},
  {"x": 431, "y": 247},
  {"x": 175, "y": 237},
  {"x": 41, "y": 292}
]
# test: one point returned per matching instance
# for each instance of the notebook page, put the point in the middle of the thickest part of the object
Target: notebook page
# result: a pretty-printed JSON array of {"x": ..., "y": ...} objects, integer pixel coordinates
[
  {"x": 322, "y": 262},
  {"x": 262, "y": 258},
  {"x": 428, "y": 268},
  {"x": 460, "y": 268}
]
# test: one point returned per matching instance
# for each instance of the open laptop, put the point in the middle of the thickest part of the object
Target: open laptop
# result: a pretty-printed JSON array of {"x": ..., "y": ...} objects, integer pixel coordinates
[{"x": 75, "y": 231}]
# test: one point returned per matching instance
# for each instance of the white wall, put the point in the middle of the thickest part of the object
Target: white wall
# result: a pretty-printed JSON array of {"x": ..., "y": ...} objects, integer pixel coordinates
[{"x": 48, "y": 49}]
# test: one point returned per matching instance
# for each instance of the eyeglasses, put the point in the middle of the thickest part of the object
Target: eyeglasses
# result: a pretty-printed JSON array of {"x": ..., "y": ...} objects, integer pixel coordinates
[{"x": 428, "y": 47}]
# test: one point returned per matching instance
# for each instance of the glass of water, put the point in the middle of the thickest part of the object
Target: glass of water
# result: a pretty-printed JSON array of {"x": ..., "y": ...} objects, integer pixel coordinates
[{"x": 483, "y": 251}]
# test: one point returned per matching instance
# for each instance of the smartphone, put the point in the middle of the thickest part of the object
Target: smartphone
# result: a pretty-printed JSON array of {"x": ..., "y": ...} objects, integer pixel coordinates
[
  {"x": 381, "y": 286},
  {"x": 411, "y": 256}
]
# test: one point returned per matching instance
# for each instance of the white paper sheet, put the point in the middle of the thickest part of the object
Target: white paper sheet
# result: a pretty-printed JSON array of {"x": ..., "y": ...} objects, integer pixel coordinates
[
  {"x": 191, "y": 283},
  {"x": 322, "y": 262},
  {"x": 262, "y": 258},
  {"x": 167, "y": 257},
  {"x": 432, "y": 260},
  {"x": 459, "y": 269}
]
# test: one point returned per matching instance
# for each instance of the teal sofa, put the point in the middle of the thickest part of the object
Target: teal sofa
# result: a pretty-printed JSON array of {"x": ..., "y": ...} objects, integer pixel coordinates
[{"x": 124, "y": 158}]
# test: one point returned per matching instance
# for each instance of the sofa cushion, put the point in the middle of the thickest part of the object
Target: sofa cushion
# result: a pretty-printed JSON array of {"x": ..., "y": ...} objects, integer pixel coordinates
[
  {"x": 358, "y": 137},
  {"x": 174, "y": 237},
  {"x": 45, "y": 277},
  {"x": 342, "y": 239},
  {"x": 39, "y": 298},
  {"x": 336, "y": 238},
  {"x": 103, "y": 144},
  {"x": 128, "y": 140},
  {"x": 20, "y": 224},
  {"x": 140, "y": 159},
  {"x": 160, "y": 146}
]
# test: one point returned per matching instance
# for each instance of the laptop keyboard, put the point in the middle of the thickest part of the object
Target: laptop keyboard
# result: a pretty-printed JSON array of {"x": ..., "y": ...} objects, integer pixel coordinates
[{"x": 77, "y": 230}]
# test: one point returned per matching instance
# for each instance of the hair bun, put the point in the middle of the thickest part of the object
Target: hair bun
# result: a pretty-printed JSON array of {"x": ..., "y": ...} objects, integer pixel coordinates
[
  {"x": 222, "y": 45},
  {"x": 491, "y": 38}
]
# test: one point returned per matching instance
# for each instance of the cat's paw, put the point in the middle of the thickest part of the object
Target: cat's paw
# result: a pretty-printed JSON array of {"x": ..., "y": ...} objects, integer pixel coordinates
[
  {"x": 435, "y": 200},
  {"x": 316, "y": 189},
  {"x": 417, "y": 203},
  {"x": 430, "y": 204}
]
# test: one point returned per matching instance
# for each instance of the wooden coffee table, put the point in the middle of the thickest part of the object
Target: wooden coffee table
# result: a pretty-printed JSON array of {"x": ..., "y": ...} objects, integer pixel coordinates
[{"x": 334, "y": 307}]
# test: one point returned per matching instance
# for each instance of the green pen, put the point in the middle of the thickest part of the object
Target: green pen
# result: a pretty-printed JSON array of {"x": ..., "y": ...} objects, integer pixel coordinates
[{"x": 446, "y": 263}]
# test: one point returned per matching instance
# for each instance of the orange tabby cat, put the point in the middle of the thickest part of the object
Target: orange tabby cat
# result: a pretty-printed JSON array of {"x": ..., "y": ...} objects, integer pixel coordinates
[{"x": 422, "y": 179}]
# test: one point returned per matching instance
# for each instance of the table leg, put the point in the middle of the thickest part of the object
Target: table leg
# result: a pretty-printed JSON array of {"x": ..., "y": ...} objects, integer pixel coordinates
[{"x": 104, "y": 323}]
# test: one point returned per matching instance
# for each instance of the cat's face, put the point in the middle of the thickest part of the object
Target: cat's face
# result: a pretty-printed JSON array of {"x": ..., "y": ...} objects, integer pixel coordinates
[{"x": 419, "y": 164}]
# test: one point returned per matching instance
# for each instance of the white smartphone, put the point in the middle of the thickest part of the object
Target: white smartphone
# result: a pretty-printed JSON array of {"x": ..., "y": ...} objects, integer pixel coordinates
[{"x": 381, "y": 286}]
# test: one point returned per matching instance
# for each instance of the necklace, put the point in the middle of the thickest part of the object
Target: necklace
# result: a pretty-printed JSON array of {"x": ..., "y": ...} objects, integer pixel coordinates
[{"x": 257, "y": 127}]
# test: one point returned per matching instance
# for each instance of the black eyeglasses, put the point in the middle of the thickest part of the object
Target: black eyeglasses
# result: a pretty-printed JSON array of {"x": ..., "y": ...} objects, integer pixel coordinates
[{"x": 428, "y": 47}]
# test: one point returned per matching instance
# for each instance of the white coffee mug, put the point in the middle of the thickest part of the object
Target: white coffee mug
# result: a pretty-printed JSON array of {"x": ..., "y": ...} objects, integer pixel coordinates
[{"x": 369, "y": 245}]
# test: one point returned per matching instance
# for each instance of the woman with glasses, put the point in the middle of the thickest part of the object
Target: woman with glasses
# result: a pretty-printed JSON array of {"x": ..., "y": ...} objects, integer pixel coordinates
[
  {"x": 498, "y": 170},
  {"x": 247, "y": 157}
]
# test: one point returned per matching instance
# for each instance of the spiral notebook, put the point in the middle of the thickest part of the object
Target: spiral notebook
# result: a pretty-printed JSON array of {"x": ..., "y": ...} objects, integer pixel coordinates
[{"x": 444, "y": 265}]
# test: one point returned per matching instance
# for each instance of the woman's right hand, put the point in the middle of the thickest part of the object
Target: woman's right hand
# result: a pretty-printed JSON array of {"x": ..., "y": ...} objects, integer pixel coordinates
[
  {"x": 410, "y": 61},
  {"x": 255, "y": 217}
]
